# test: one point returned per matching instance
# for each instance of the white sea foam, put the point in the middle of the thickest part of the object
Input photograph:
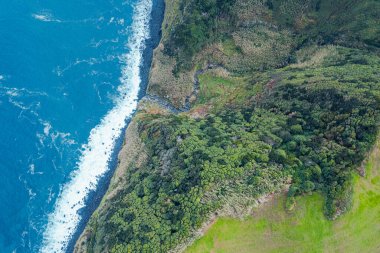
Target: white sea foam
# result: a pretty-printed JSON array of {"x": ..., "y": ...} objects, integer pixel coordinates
[
  {"x": 45, "y": 16},
  {"x": 59, "y": 71},
  {"x": 20, "y": 92},
  {"x": 117, "y": 21},
  {"x": 95, "y": 157},
  {"x": 32, "y": 170},
  {"x": 53, "y": 138},
  {"x": 94, "y": 43},
  {"x": 47, "y": 128}
]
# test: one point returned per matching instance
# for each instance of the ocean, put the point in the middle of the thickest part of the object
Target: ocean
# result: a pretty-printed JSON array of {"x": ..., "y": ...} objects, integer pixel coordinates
[{"x": 71, "y": 74}]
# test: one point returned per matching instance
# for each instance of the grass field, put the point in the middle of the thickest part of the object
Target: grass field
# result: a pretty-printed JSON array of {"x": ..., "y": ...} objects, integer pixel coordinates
[
  {"x": 220, "y": 90},
  {"x": 272, "y": 229}
]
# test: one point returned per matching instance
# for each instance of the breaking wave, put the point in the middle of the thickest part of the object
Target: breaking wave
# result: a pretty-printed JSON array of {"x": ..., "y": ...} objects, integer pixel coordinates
[{"x": 96, "y": 154}]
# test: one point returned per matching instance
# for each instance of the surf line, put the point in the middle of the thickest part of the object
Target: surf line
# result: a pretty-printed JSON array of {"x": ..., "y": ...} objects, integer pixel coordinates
[{"x": 96, "y": 154}]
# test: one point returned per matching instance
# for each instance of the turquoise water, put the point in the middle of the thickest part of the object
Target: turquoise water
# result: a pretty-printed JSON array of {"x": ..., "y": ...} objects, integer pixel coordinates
[{"x": 69, "y": 79}]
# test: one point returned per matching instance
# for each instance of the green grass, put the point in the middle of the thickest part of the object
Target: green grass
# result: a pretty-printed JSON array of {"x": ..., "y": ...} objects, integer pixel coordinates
[
  {"x": 171, "y": 17},
  {"x": 217, "y": 89},
  {"x": 230, "y": 48},
  {"x": 221, "y": 90},
  {"x": 272, "y": 229}
]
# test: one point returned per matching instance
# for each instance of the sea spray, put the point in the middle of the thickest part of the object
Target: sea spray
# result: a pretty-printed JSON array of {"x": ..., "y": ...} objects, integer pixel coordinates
[{"x": 95, "y": 157}]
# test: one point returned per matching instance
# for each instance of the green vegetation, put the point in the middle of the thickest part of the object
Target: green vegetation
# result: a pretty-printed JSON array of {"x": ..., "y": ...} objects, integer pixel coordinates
[
  {"x": 344, "y": 22},
  {"x": 273, "y": 229},
  {"x": 295, "y": 100},
  {"x": 332, "y": 113},
  {"x": 192, "y": 166},
  {"x": 219, "y": 90},
  {"x": 201, "y": 23},
  {"x": 314, "y": 123}
]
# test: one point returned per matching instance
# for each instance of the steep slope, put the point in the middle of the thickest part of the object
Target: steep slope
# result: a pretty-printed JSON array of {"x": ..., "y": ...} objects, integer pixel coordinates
[
  {"x": 273, "y": 229},
  {"x": 269, "y": 95}
]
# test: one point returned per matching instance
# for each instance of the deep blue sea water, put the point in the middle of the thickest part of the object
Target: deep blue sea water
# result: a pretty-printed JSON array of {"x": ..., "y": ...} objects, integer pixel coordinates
[{"x": 69, "y": 78}]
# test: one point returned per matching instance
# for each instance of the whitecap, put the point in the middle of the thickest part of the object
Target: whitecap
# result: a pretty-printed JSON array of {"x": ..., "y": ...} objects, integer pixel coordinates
[
  {"x": 51, "y": 194},
  {"x": 47, "y": 128},
  {"x": 59, "y": 71},
  {"x": 97, "y": 43},
  {"x": 18, "y": 92},
  {"x": 121, "y": 21},
  {"x": 41, "y": 138},
  {"x": 28, "y": 110},
  {"x": 32, "y": 170},
  {"x": 50, "y": 137},
  {"x": 45, "y": 16},
  {"x": 93, "y": 163}
]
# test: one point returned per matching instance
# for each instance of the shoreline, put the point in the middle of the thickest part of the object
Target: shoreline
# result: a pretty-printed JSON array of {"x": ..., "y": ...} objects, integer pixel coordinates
[{"x": 94, "y": 198}]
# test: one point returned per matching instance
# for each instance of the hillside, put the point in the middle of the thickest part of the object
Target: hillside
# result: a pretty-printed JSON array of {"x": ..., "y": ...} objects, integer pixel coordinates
[
  {"x": 245, "y": 99},
  {"x": 273, "y": 229}
]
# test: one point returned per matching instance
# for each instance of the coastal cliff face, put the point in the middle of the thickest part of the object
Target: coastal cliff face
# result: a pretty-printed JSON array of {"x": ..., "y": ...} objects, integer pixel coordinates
[
  {"x": 244, "y": 99},
  {"x": 132, "y": 153}
]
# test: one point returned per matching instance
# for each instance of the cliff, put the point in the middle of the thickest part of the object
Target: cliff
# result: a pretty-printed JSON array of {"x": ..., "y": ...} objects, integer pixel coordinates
[
  {"x": 244, "y": 98},
  {"x": 133, "y": 152}
]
